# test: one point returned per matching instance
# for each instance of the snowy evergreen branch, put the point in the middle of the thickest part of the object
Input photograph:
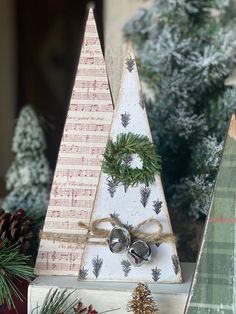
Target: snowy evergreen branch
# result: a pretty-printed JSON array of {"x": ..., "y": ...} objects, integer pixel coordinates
[{"x": 186, "y": 49}]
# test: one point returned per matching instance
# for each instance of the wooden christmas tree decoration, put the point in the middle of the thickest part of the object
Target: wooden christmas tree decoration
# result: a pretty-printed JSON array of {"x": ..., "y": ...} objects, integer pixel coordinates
[
  {"x": 130, "y": 192},
  {"x": 79, "y": 161},
  {"x": 14, "y": 272},
  {"x": 142, "y": 301},
  {"x": 214, "y": 284}
]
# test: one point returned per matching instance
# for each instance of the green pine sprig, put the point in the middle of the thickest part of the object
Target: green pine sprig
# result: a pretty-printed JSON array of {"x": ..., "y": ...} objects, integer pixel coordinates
[
  {"x": 13, "y": 267},
  {"x": 56, "y": 302},
  {"x": 127, "y": 144}
]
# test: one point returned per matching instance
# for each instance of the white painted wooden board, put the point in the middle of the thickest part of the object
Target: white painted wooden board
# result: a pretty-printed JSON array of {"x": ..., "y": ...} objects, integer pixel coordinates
[
  {"x": 130, "y": 116},
  {"x": 171, "y": 298}
]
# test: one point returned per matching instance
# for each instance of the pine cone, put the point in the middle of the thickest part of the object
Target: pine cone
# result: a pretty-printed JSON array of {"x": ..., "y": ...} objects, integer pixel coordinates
[{"x": 16, "y": 227}]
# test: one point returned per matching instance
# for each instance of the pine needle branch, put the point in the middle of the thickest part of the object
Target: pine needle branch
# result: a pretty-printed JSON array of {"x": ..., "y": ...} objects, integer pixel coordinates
[
  {"x": 128, "y": 144},
  {"x": 128, "y": 160},
  {"x": 13, "y": 267},
  {"x": 56, "y": 302},
  {"x": 191, "y": 91}
]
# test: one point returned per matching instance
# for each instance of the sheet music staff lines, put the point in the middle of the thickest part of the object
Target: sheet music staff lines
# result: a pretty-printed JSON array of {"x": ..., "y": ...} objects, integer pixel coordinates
[{"x": 78, "y": 167}]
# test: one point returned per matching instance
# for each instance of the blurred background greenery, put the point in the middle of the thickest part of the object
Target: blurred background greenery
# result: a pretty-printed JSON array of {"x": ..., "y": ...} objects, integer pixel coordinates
[{"x": 186, "y": 53}]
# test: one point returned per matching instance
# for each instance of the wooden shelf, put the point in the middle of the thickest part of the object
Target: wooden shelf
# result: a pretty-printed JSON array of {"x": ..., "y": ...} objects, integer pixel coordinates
[{"x": 171, "y": 298}]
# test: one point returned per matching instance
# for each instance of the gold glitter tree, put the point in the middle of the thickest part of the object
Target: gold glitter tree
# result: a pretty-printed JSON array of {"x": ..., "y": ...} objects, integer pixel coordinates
[{"x": 142, "y": 301}]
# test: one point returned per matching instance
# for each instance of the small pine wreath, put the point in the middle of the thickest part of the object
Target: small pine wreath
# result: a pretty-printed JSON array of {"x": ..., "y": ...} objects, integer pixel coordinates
[{"x": 125, "y": 146}]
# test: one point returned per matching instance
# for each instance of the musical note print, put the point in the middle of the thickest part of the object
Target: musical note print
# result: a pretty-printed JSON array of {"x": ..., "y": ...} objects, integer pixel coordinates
[{"x": 78, "y": 167}]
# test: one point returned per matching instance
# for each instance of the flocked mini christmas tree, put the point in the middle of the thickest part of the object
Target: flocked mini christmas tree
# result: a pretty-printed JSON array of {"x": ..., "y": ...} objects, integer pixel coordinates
[
  {"x": 142, "y": 301},
  {"x": 29, "y": 177}
]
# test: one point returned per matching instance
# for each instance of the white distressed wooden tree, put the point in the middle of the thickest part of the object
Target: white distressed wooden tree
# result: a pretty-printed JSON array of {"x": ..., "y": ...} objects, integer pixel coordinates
[{"x": 132, "y": 206}]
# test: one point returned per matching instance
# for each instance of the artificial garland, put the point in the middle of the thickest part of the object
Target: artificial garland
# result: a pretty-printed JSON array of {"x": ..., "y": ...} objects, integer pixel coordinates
[
  {"x": 13, "y": 271},
  {"x": 58, "y": 301},
  {"x": 126, "y": 145}
]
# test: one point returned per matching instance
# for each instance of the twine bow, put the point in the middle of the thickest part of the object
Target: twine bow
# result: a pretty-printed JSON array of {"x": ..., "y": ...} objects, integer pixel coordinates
[{"x": 98, "y": 235}]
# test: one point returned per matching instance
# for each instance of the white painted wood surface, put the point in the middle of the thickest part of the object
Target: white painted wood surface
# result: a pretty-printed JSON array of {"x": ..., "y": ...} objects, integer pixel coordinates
[
  {"x": 128, "y": 204},
  {"x": 171, "y": 298}
]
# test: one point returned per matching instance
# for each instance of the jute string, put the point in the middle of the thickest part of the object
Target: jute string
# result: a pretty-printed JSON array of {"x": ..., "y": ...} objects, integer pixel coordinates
[{"x": 96, "y": 235}]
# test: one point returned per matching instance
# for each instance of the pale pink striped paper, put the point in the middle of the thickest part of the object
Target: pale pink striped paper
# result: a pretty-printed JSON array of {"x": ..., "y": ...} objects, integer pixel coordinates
[{"x": 78, "y": 168}]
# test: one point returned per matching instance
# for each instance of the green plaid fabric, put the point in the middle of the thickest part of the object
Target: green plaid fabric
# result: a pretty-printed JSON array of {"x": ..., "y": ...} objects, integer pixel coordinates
[{"x": 214, "y": 285}]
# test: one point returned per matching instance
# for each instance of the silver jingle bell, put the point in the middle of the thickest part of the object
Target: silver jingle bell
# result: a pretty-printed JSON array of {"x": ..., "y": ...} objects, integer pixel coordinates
[
  {"x": 139, "y": 253},
  {"x": 119, "y": 240}
]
